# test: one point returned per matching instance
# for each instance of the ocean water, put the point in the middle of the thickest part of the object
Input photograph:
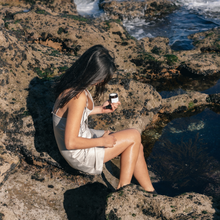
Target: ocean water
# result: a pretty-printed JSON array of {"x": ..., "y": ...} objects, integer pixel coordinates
[
  {"x": 176, "y": 26},
  {"x": 207, "y": 8},
  {"x": 193, "y": 16}
]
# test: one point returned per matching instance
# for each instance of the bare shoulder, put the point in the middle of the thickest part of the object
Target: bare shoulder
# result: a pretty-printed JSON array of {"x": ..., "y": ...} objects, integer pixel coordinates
[{"x": 78, "y": 101}]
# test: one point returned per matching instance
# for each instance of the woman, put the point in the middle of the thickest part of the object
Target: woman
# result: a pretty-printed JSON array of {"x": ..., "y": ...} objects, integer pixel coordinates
[{"x": 87, "y": 149}]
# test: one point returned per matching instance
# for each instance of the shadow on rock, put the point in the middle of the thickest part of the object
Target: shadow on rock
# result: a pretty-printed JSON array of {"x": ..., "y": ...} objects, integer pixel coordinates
[
  {"x": 40, "y": 103},
  {"x": 86, "y": 202}
]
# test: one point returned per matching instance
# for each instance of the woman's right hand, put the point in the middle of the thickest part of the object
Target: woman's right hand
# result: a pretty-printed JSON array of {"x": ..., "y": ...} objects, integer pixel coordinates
[{"x": 109, "y": 140}]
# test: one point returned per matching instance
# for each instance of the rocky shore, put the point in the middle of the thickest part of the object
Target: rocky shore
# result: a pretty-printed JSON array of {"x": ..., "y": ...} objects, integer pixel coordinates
[{"x": 39, "y": 40}]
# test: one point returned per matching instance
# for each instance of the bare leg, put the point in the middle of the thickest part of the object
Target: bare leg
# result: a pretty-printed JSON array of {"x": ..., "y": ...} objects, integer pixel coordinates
[
  {"x": 141, "y": 172},
  {"x": 132, "y": 158}
]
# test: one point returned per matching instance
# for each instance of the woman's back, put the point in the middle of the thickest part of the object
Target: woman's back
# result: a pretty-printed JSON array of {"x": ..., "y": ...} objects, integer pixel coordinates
[{"x": 78, "y": 157}]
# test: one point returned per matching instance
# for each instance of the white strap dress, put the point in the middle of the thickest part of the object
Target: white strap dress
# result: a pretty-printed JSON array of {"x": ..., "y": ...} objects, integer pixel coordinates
[{"x": 89, "y": 160}]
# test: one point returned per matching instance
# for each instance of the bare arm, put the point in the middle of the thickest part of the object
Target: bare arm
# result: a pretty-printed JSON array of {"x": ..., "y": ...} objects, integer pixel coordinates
[
  {"x": 102, "y": 110},
  {"x": 75, "y": 109}
]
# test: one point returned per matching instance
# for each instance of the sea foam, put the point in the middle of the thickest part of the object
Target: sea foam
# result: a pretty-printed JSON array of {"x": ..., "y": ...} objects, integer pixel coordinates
[
  {"x": 210, "y": 8},
  {"x": 88, "y": 7}
]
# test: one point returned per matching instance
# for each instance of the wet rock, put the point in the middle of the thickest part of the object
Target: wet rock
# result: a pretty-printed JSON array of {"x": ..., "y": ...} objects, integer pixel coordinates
[
  {"x": 148, "y": 206},
  {"x": 183, "y": 102},
  {"x": 159, "y": 9},
  {"x": 148, "y": 9},
  {"x": 213, "y": 49},
  {"x": 157, "y": 60},
  {"x": 123, "y": 10},
  {"x": 213, "y": 98},
  {"x": 194, "y": 69},
  {"x": 204, "y": 59}
]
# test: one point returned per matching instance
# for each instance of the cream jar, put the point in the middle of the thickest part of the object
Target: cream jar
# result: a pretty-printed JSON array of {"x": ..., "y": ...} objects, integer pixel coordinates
[{"x": 113, "y": 98}]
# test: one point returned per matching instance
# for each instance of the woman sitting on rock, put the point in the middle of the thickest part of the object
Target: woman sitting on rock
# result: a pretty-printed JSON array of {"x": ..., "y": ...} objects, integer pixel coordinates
[{"x": 87, "y": 149}]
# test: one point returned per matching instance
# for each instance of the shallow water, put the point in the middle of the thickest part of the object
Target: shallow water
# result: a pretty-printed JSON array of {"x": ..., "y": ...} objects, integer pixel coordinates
[
  {"x": 208, "y": 85},
  {"x": 212, "y": 87},
  {"x": 186, "y": 155}
]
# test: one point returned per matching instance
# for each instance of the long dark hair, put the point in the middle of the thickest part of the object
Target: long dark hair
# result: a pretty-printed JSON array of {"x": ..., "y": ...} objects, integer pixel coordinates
[{"x": 94, "y": 66}]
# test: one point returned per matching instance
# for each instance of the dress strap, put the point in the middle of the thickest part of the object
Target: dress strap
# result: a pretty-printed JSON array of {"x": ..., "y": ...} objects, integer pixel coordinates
[
  {"x": 90, "y": 97},
  {"x": 53, "y": 111}
]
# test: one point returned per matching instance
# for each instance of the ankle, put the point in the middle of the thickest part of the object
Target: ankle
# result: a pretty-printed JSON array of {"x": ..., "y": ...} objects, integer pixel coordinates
[{"x": 120, "y": 185}]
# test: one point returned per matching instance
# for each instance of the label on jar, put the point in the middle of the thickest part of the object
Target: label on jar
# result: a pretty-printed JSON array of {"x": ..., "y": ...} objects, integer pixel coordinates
[{"x": 114, "y": 100}]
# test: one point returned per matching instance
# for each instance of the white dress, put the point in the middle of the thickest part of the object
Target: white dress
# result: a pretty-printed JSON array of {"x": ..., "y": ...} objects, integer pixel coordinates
[{"x": 89, "y": 160}]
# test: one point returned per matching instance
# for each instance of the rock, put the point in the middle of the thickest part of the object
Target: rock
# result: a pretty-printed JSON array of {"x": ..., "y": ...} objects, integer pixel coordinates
[
  {"x": 1, "y": 23},
  {"x": 53, "y": 7},
  {"x": 213, "y": 98},
  {"x": 159, "y": 9},
  {"x": 6, "y": 213},
  {"x": 32, "y": 63},
  {"x": 71, "y": 195},
  {"x": 204, "y": 59},
  {"x": 3, "y": 41},
  {"x": 148, "y": 206},
  {"x": 139, "y": 103},
  {"x": 36, "y": 46},
  {"x": 157, "y": 45},
  {"x": 124, "y": 10},
  {"x": 183, "y": 102},
  {"x": 148, "y": 9},
  {"x": 8, "y": 162},
  {"x": 30, "y": 131}
]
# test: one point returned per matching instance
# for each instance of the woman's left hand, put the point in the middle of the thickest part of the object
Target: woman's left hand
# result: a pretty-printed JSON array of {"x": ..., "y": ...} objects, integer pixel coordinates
[{"x": 113, "y": 107}]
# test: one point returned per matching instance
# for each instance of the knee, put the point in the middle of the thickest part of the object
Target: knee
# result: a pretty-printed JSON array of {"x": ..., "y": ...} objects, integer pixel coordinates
[{"x": 135, "y": 135}]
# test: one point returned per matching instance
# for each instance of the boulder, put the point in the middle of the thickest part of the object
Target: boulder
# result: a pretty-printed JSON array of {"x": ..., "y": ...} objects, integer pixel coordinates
[
  {"x": 148, "y": 9},
  {"x": 184, "y": 102},
  {"x": 148, "y": 206},
  {"x": 123, "y": 10},
  {"x": 203, "y": 60},
  {"x": 8, "y": 162},
  {"x": 139, "y": 103}
]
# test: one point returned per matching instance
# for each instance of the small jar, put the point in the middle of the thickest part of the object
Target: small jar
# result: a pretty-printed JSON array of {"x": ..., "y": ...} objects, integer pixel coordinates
[{"x": 113, "y": 97}]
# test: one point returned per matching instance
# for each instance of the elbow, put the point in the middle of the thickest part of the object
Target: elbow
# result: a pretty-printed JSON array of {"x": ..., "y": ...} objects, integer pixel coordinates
[{"x": 70, "y": 145}]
